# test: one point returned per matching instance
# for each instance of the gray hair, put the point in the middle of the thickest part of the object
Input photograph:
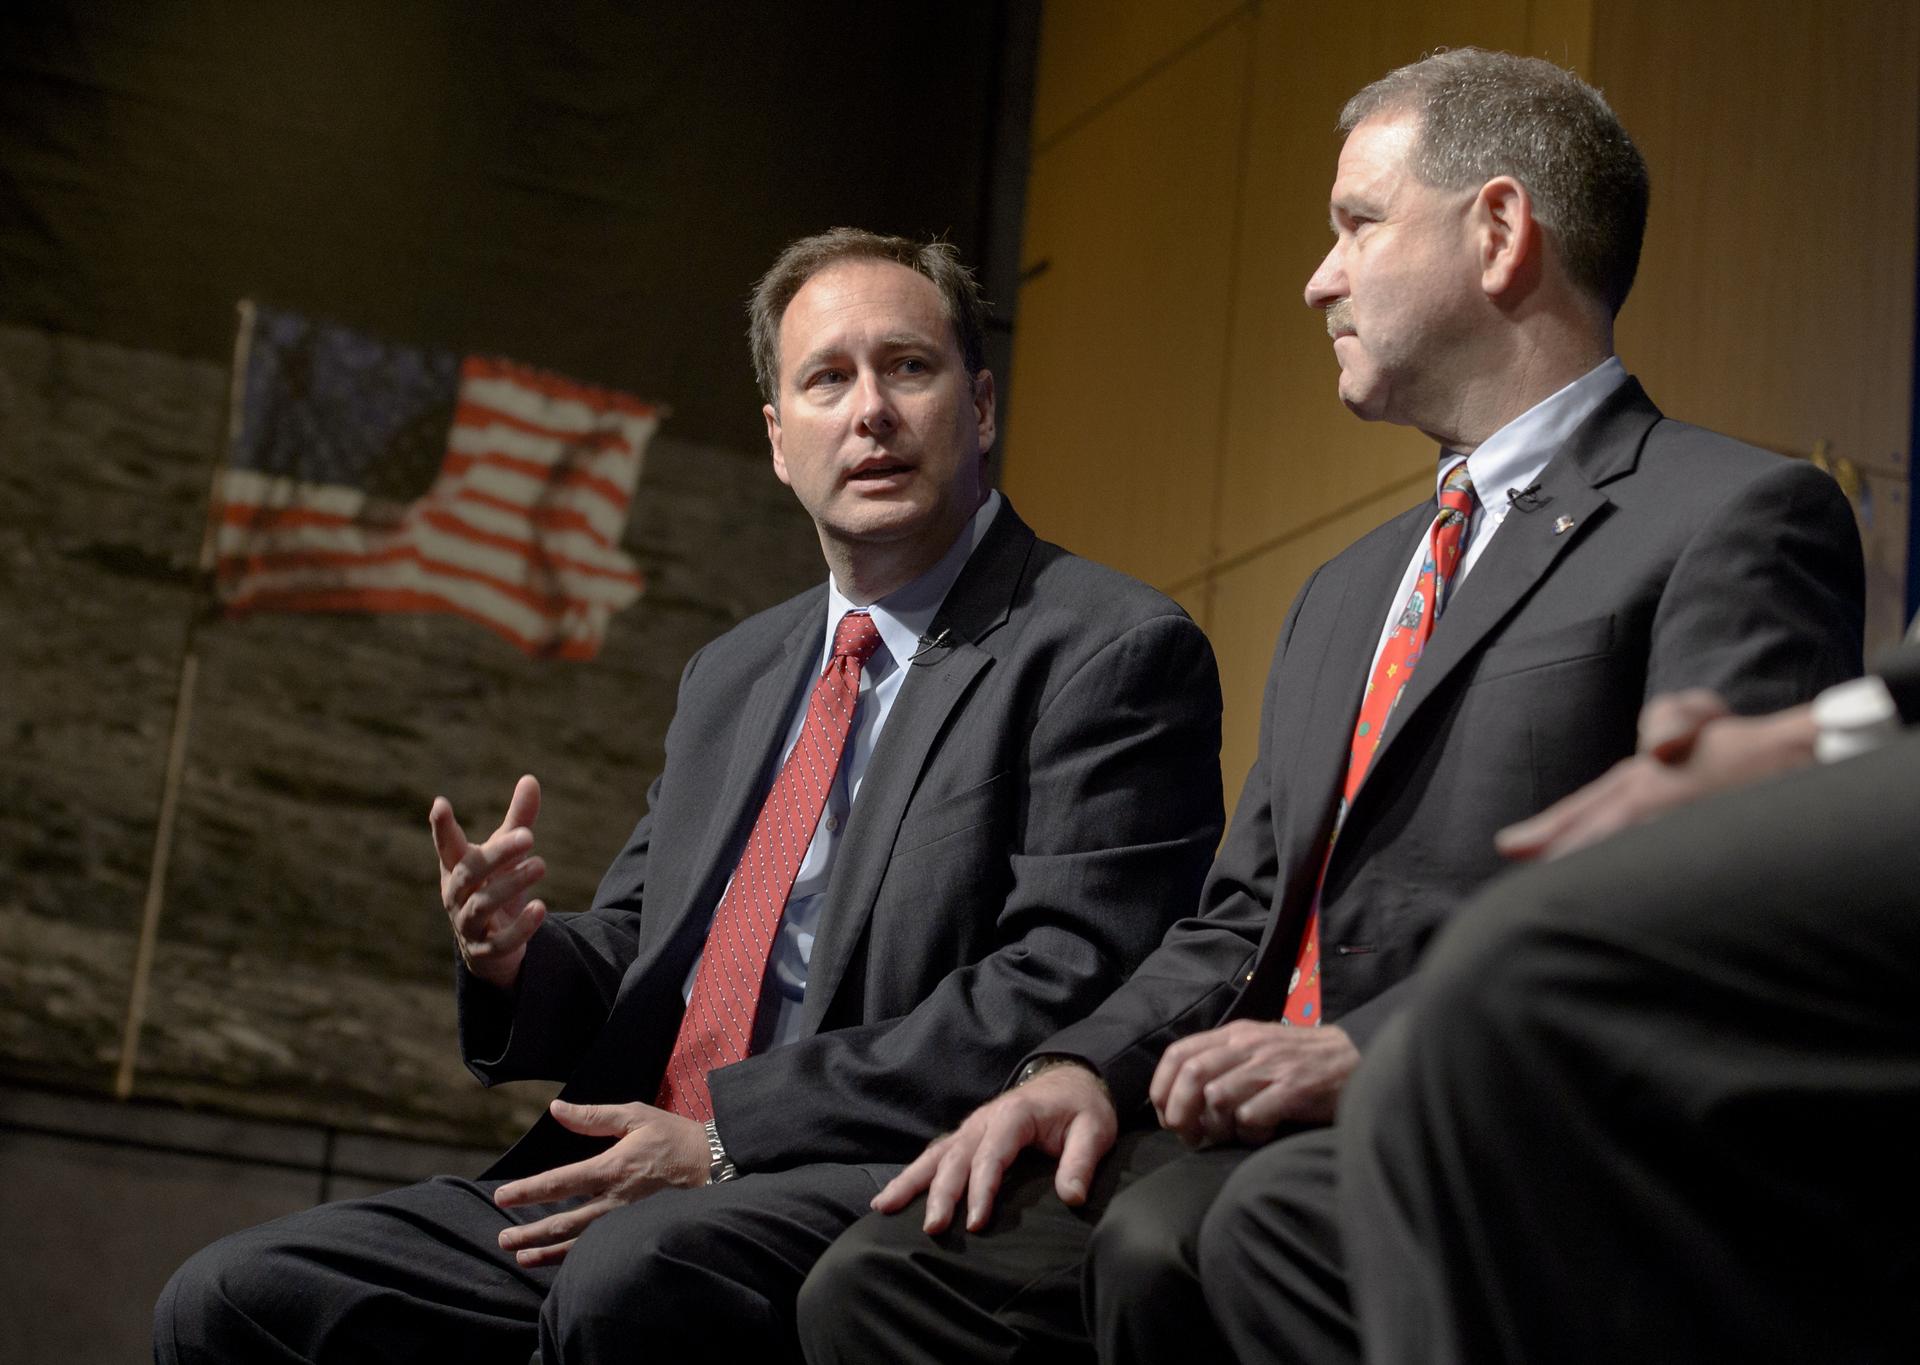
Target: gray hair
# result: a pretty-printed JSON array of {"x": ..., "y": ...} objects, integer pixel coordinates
[
  {"x": 1485, "y": 114},
  {"x": 804, "y": 259}
]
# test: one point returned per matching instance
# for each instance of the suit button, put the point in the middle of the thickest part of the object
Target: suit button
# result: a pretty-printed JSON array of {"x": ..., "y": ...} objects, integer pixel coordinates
[{"x": 833, "y": 822}]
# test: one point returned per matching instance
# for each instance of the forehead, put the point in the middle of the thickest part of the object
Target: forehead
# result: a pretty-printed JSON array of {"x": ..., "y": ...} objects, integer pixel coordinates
[
  {"x": 855, "y": 302},
  {"x": 1373, "y": 162}
]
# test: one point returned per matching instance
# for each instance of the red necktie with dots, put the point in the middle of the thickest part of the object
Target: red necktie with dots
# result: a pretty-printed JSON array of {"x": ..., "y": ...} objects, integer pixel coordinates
[
  {"x": 718, "y": 1026},
  {"x": 1391, "y": 672}
]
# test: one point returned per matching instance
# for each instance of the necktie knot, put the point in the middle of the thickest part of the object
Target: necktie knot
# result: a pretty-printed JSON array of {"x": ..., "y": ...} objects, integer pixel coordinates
[
  {"x": 1456, "y": 491},
  {"x": 856, "y": 637}
]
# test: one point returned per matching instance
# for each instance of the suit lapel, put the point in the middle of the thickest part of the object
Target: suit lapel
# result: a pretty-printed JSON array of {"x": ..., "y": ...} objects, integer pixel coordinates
[
  {"x": 936, "y": 684},
  {"x": 765, "y": 714},
  {"x": 1527, "y": 546},
  {"x": 1345, "y": 652}
]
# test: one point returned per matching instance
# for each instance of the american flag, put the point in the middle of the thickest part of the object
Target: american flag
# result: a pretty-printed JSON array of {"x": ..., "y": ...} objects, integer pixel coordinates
[{"x": 367, "y": 476}]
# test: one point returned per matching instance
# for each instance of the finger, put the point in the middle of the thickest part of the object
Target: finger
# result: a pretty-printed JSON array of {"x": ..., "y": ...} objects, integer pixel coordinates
[
  {"x": 1186, "y": 1097},
  {"x": 501, "y": 895},
  {"x": 1537, "y": 834},
  {"x": 597, "y": 1120},
  {"x": 449, "y": 840},
  {"x": 1670, "y": 724},
  {"x": 514, "y": 932},
  {"x": 948, "y": 1184},
  {"x": 483, "y": 862},
  {"x": 542, "y": 1256},
  {"x": 900, "y": 1191},
  {"x": 562, "y": 1182},
  {"x": 985, "y": 1173},
  {"x": 1171, "y": 1061},
  {"x": 524, "y": 808},
  {"x": 1089, "y": 1137},
  {"x": 564, "y": 1226}
]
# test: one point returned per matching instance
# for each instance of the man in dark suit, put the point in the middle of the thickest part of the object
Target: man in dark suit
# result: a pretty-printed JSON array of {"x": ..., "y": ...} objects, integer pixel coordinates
[
  {"x": 1586, "y": 552},
  {"x": 1660, "y": 1099},
  {"x": 852, "y": 905}
]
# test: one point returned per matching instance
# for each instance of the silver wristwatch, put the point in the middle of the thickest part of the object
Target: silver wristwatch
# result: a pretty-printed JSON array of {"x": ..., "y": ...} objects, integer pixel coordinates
[{"x": 719, "y": 1165}]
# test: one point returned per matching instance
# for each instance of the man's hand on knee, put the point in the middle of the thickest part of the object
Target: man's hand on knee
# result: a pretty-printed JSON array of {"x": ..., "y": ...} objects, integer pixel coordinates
[
  {"x": 1064, "y": 1111},
  {"x": 1240, "y": 1082},
  {"x": 656, "y": 1149}
]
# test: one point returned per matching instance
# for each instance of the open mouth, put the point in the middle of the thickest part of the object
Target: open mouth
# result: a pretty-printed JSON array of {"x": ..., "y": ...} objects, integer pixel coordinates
[{"x": 878, "y": 473}]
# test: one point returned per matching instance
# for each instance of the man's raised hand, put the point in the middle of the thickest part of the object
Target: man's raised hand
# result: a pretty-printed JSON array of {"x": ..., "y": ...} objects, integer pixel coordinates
[{"x": 484, "y": 887}]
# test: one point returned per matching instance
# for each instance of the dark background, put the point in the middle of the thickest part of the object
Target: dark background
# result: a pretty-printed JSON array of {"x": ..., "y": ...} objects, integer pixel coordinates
[
  {"x": 587, "y": 186},
  {"x": 584, "y": 187}
]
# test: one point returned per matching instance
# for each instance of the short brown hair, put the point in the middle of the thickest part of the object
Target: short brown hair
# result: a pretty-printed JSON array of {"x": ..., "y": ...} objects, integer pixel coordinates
[
  {"x": 804, "y": 259},
  {"x": 1485, "y": 114}
]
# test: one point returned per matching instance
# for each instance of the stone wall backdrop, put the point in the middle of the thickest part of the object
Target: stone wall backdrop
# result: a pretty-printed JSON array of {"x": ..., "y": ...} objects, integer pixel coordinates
[{"x": 304, "y": 966}]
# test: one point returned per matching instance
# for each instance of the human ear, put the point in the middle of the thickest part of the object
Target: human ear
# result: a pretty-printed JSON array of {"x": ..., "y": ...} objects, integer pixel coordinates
[
  {"x": 772, "y": 414},
  {"x": 1506, "y": 236}
]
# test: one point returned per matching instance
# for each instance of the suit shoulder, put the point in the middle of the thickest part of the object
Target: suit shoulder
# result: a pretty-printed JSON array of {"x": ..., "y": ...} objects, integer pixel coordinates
[
  {"x": 1063, "y": 580},
  {"x": 767, "y": 629},
  {"x": 1686, "y": 465}
]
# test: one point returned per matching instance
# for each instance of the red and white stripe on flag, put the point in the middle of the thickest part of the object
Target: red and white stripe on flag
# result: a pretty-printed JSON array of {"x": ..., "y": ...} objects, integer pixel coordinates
[{"x": 520, "y": 531}]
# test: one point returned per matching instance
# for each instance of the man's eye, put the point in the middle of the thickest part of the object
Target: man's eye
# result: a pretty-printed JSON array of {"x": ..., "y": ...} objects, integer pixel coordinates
[
  {"x": 827, "y": 377},
  {"x": 913, "y": 365}
]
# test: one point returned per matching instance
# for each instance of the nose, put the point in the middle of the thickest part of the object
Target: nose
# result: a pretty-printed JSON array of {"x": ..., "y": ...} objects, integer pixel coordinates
[
  {"x": 877, "y": 415},
  {"x": 1327, "y": 285}
]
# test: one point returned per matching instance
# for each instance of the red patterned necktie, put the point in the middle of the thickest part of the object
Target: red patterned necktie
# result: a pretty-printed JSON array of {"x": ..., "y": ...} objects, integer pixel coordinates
[
  {"x": 718, "y": 1026},
  {"x": 1390, "y": 674}
]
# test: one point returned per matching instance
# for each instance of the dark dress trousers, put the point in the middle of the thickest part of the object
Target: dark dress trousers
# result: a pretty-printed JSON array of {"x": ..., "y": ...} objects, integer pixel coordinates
[
  {"x": 1660, "y": 1100},
  {"x": 1043, "y": 799},
  {"x": 1656, "y": 556}
]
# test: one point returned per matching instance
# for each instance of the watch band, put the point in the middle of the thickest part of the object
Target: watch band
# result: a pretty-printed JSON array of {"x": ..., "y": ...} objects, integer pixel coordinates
[
  {"x": 1048, "y": 1062},
  {"x": 720, "y": 1166}
]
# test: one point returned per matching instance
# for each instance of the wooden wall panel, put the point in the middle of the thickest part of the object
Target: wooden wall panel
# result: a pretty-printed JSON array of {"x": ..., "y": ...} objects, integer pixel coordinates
[
  {"x": 1090, "y": 50},
  {"x": 1120, "y": 348},
  {"x": 1293, "y": 453},
  {"x": 1249, "y": 603},
  {"x": 1776, "y": 295},
  {"x": 1178, "y": 413}
]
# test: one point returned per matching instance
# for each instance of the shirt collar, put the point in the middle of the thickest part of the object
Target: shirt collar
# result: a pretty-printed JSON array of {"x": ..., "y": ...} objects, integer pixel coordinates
[
  {"x": 1513, "y": 456},
  {"x": 903, "y": 615}
]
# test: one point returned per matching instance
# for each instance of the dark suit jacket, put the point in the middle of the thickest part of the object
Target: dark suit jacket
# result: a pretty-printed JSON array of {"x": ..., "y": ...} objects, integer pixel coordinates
[
  {"x": 1690, "y": 561},
  {"x": 1043, "y": 802}
]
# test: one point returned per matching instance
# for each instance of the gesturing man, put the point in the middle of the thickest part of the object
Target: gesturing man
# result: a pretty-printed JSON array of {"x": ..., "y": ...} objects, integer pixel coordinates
[
  {"x": 1450, "y": 673},
  {"x": 910, "y": 823}
]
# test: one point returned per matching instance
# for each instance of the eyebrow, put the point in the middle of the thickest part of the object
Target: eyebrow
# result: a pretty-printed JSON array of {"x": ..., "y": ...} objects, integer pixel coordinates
[{"x": 893, "y": 341}]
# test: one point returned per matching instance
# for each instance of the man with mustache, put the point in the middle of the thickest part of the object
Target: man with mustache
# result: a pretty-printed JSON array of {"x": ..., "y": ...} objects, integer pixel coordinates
[
  {"x": 1451, "y": 673},
  {"x": 910, "y": 823}
]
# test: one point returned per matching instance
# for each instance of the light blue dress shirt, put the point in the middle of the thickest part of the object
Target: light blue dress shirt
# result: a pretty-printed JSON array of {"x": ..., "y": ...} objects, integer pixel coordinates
[
  {"x": 902, "y": 618},
  {"x": 1509, "y": 460}
]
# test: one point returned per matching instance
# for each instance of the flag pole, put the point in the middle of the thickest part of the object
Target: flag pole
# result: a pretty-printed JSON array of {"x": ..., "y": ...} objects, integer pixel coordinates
[{"x": 174, "y": 776}]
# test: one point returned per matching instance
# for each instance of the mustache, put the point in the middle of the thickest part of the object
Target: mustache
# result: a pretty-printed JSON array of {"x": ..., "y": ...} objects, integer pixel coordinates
[{"x": 1340, "y": 317}]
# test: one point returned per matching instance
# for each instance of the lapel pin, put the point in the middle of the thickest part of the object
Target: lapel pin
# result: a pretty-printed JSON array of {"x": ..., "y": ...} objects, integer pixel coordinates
[{"x": 1562, "y": 525}]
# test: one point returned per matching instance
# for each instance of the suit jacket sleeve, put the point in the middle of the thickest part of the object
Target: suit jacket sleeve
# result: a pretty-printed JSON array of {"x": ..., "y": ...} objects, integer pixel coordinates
[
  {"x": 569, "y": 977},
  {"x": 1899, "y": 668},
  {"x": 1119, "y": 816},
  {"x": 1193, "y": 976}
]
